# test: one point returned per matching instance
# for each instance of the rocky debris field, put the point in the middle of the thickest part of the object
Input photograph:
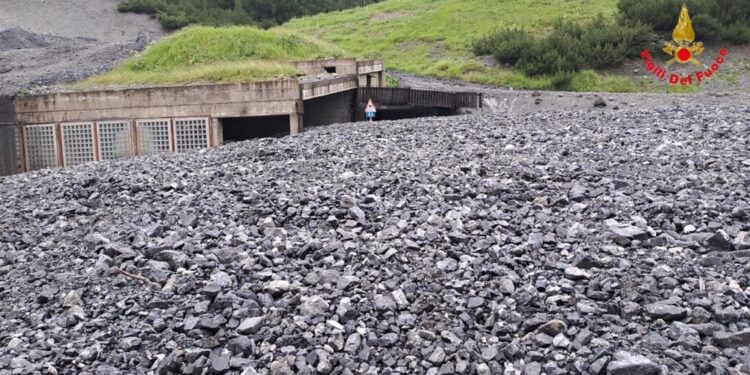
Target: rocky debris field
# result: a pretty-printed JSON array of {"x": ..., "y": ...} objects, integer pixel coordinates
[
  {"x": 32, "y": 63},
  {"x": 505, "y": 100},
  {"x": 610, "y": 242}
]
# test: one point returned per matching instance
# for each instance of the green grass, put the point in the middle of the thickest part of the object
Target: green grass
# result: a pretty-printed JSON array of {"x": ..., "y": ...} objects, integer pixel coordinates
[
  {"x": 683, "y": 89},
  {"x": 243, "y": 71},
  {"x": 227, "y": 54},
  {"x": 434, "y": 37}
]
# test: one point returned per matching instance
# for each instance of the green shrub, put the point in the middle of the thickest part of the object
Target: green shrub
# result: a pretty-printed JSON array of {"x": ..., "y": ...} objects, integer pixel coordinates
[
  {"x": 712, "y": 19},
  {"x": 586, "y": 80},
  {"x": 707, "y": 27},
  {"x": 622, "y": 84},
  {"x": 738, "y": 33},
  {"x": 562, "y": 80},
  {"x": 540, "y": 58},
  {"x": 570, "y": 47},
  {"x": 506, "y": 46}
]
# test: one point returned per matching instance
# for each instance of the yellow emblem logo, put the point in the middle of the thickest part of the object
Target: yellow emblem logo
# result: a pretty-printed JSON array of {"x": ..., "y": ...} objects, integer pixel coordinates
[{"x": 682, "y": 47}]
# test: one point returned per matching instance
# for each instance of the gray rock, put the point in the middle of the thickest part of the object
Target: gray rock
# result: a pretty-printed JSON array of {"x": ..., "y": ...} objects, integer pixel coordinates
[
  {"x": 73, "y": 298},
  {"x": 599, "y": 102},
  {"x": 353, "y": 343},
  {"x": 313, "y": 306},
  {"x": 665, "y": 311},
  {"x": 277, "y": 287},
  {"x": 220, "y": 361},
  {"x": 720, "y": 241},
  {"x": 506, "y": 286},
  {"x": 130, "y": 343},
  {"x": 626, "y": 363},
  {"x": 252, "y": 325},
  {"x": 489, "y": 353},
  {"x": 625, "y": 231},
  {"x": 732, "y": 339},
  {"x": 437, "y": 356},
  {"x": 242, "y": 345},
  {"x": 384, "y": 302},
  {"x": 575, "y": 273},
  {"x": 475, "y": 302},
  {"x": 553, "y": 328}
]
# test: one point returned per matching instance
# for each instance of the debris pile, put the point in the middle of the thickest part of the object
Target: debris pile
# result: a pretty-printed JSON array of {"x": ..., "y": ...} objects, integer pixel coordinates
[{"x": 551, "y": 243}]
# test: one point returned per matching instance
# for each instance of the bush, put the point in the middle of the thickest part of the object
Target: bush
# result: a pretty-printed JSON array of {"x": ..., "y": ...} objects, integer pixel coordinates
[
  {"x": 541, "y": 58},
  {"x": 506, "y": 46},
  {"x": 569, "y": 47},
  {"x": 707, "y": 27},
  {"x": 712, "y": 19},
  {"x": 586, "y": 80},
  {"x": 562, "y": 80},
  {"x": 737, "y": 33}
]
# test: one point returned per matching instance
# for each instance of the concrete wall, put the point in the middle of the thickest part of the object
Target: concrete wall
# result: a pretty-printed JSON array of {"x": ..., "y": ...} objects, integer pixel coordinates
[
  {"x": 330, "y": 109},
  {"x": 225, "y": 100},
  {"x": 313, "y": 67},
  {"x": 8, "y": 137},
  {"x": 311, "y": 90},
  {"x": 326, "y": 100},
  {"x": 370, "y": 66}
]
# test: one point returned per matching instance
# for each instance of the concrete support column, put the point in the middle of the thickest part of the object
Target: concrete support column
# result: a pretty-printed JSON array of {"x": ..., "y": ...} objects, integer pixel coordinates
[
  {"x": 217, "y": 132},
  {"x": 296, "y": 118},
  {"x": 296, "y": 123},
  {"x": 381, "y": 79}
]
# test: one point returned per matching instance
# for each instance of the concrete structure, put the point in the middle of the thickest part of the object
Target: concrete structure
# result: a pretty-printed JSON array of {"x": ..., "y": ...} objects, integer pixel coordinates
[{"x": 63, "y": 129}]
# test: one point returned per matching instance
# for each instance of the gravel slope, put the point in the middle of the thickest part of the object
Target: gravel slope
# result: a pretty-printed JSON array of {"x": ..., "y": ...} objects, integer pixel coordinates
[
  {"x": 98, "y": 19},
  {"x": 550, "y": 243},
  {"x": 49, "y": 42},
  {"x": 32, "y": 62}
]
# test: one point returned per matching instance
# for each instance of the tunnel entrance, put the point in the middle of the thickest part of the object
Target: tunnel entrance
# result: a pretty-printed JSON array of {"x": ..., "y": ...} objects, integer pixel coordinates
[
  {"x": 329, "y": 109},
  {"x": 244, "y": 128}
]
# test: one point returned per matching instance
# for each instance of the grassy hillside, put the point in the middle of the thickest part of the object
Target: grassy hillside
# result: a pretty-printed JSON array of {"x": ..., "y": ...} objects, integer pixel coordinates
[
  {"x": 228, "y": 54},
  {"x": 435, "y": 36}
]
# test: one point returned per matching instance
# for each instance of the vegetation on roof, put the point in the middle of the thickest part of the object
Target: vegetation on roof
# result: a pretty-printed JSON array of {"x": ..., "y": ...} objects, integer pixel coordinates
[{"x": 225, "y": 54}]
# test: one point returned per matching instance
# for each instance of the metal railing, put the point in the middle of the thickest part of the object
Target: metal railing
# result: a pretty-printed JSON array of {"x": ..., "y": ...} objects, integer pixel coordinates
[{"x": 419, "y": 98}]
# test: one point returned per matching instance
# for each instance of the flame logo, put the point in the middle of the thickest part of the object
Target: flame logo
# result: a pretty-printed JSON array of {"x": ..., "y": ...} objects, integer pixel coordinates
[
  {"x": 681, "y": 48},
  {"x": 684, "y": 32}
]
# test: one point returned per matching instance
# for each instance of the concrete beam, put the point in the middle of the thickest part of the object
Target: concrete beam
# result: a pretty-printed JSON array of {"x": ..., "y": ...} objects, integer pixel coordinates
[
  {"x": 370, "y": 66},
  {"x": 342, "y": 65},
  {"x": 226, "y": 100},
  {"x": 310, "y": 90}
]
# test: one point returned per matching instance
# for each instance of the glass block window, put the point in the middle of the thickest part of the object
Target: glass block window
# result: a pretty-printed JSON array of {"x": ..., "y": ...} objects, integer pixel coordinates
[
  {"x": 78, "y": 143},
  {"x": 41, "y": 146},
  {"x": 115, "y": 139},
  {"x": 154, "y": 136},
  {"x": 17, "y": 138},
  {"x": 191, "y": 133}
]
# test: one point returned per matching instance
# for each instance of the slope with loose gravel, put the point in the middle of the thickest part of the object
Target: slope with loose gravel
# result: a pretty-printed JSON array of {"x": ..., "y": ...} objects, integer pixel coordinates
[{"x": 609, "y": 242}]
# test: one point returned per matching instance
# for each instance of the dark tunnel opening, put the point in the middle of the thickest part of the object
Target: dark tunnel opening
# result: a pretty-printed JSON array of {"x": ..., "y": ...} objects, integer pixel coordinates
[
  {"x": 400, "y": 113},
  {"x": 244, "y": 128}
]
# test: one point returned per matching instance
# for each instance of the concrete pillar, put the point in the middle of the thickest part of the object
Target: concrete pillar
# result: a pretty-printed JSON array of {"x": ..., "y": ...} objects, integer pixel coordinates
[
  {"x": 217, "y": 132},
  {"x": 296, "y": 123},
  {"x": 381, "y": 79},
  {"x": 297, "y": 118}
]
